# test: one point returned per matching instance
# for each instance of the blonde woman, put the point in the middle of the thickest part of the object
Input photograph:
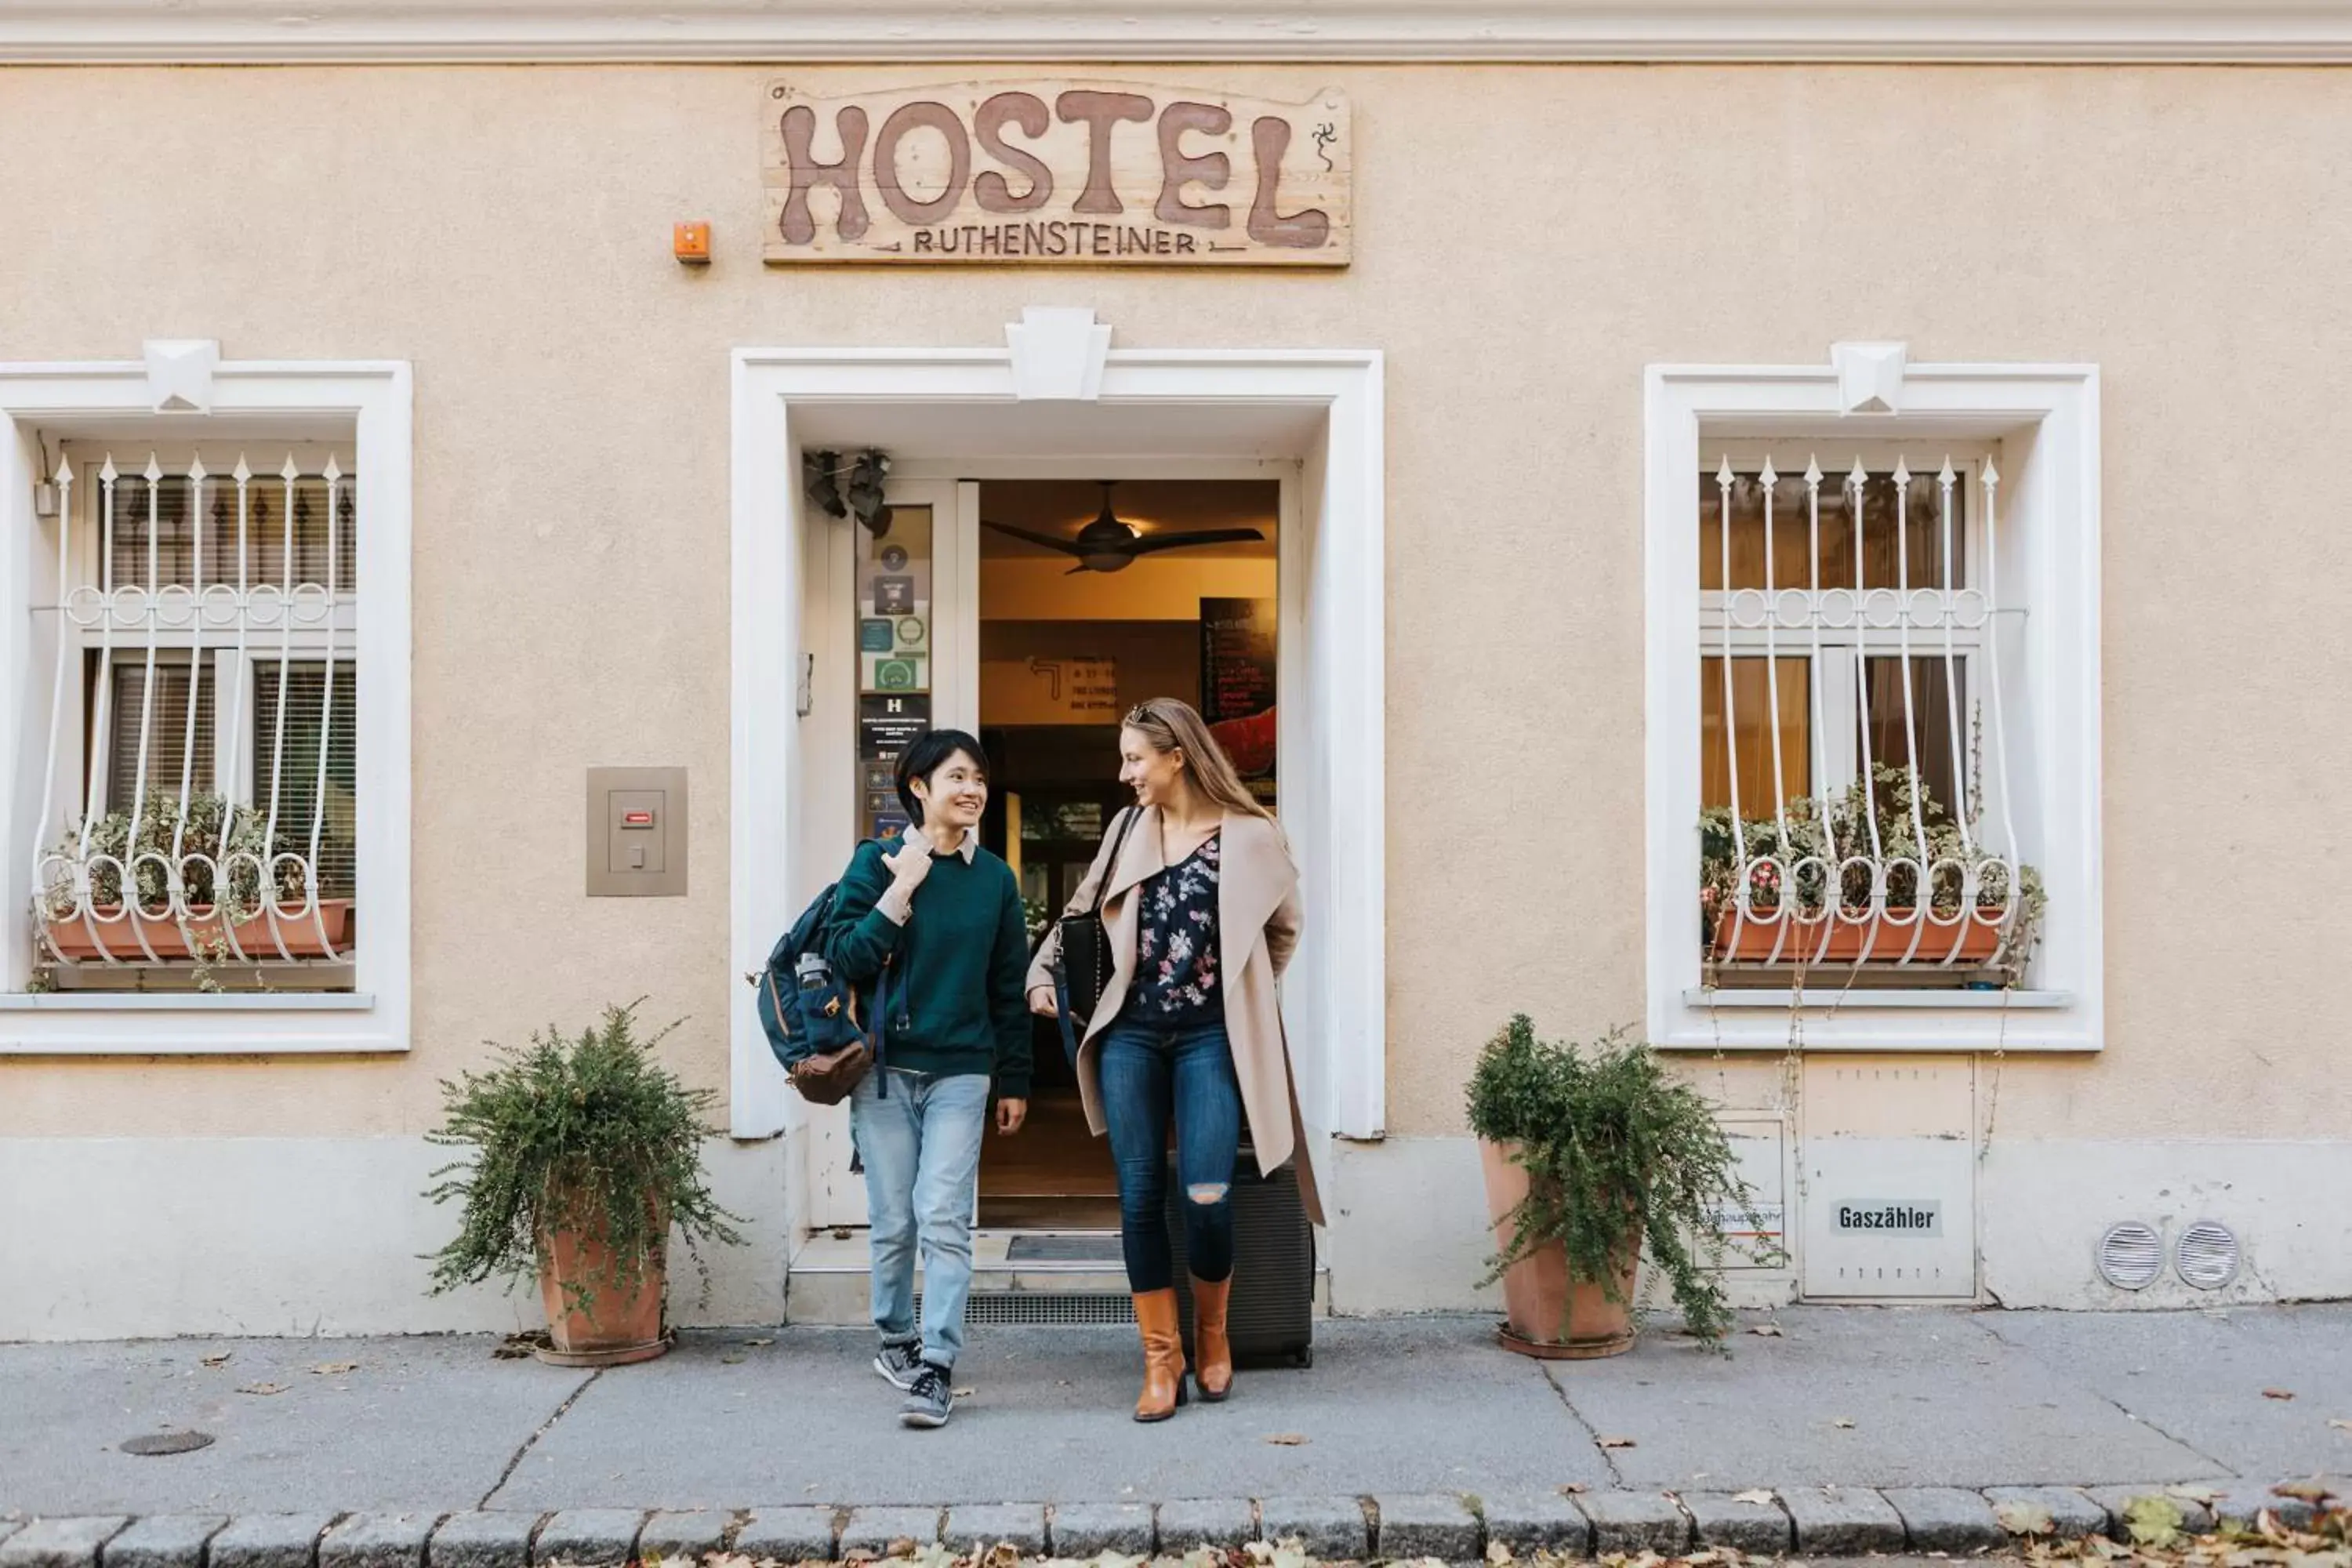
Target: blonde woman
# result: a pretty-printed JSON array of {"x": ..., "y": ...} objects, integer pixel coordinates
[{"x": 1202, "y": 908}]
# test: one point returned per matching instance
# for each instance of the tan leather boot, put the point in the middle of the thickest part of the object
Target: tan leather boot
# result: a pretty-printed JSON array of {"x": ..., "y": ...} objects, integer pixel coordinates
[
  {"x": 1163, "y": 1355},
  {"x": 1212, "y": 1354}
]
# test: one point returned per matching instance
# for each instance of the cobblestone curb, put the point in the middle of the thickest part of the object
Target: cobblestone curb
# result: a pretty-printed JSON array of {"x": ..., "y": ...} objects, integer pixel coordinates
[
  {"x": 1843, "y": 1521},
  {"x": 1817, "y": 1521}
]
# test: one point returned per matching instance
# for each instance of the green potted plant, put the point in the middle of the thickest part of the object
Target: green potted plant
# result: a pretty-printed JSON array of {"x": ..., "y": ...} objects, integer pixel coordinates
[
  {"x": 223, "y": 911},
  {"x": 587, "y": 1151},
  {"x": 1593, "y": 1156},
  {"x": 1809, "y": 885}
]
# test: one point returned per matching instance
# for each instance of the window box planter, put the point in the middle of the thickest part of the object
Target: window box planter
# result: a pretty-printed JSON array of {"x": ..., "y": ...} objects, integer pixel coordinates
[
  {"x": 166, "y": 937},
  {"x": 1764, "y": 937}
]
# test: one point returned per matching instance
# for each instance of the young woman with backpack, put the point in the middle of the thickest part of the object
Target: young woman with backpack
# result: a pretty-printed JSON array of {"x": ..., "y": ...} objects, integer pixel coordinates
[
  {"x": 928, "y": 929},
  {"x": 1199, "y": 898}
]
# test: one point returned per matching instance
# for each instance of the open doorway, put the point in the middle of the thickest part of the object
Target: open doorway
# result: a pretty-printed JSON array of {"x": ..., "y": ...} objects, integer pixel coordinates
[{"x": 1092, "y": 597}]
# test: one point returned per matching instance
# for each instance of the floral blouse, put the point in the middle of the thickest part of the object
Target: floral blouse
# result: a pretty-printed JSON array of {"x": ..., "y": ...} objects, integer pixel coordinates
[{"x": 1176, "y": 944}]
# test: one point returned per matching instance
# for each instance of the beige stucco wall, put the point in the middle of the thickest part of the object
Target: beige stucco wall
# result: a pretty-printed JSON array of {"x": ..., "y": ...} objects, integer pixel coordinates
[{"x": 1527, "y": 240}]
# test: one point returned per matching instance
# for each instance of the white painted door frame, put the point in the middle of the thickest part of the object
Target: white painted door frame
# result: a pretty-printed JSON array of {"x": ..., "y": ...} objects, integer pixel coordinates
[{"x": 1333, "y": 563}]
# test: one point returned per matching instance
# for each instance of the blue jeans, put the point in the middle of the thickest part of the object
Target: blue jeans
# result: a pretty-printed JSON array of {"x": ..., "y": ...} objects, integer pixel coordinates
[
  {"x": 1148, "y": 1074},
  {"x": 922, "y": 1152}
]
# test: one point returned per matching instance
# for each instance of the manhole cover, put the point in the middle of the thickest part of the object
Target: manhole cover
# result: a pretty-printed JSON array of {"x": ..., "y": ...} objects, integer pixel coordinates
[{"x": 168, "y": 1443}]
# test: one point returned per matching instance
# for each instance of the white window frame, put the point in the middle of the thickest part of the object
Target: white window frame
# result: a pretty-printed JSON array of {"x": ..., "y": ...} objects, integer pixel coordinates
[
  {"x": 2042, "y": 423},
  {"x": 366, "y": 405}
]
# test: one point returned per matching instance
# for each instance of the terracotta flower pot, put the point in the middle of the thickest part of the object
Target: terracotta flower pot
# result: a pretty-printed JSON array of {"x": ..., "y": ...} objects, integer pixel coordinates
[
  {"x": 1883, "y": 941},
  {"x": 618, "y": 1322},
  {"x": 300, "y": 932},
  {"x": 1549, "y": 1314}
]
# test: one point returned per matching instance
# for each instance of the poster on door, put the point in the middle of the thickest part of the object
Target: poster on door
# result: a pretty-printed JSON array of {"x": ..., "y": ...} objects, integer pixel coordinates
[{"x": 1238, "y": 678}]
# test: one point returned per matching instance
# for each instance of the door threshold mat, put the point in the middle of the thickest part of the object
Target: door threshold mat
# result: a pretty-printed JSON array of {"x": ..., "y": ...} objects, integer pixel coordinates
[{"x": 1101, "y": 1246}]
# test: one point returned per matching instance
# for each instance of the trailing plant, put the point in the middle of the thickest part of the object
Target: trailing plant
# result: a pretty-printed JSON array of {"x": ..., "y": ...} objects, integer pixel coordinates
[
  {"x": 589, "y": 1136},
  {"x": 1619, "y": 1154},
  {"x": 1818, "y": 850}
]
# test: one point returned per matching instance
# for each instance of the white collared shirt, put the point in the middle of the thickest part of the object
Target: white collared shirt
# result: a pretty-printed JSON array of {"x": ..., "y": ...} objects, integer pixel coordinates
[{"x": 895, "y": 904}]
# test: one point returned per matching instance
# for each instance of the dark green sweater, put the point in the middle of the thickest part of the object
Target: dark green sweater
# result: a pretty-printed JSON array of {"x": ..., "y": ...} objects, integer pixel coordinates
[{"x": 955, "y": 1003}]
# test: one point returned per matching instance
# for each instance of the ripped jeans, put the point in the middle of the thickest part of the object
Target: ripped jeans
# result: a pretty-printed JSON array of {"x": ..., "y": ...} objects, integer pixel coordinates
[{"x": 1148, "y": 1074}]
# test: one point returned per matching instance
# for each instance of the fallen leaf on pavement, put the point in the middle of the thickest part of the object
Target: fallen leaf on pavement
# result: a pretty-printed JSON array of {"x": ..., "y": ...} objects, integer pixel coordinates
[
  {"x": 2340, "y": 1424},
  {"x": 2278, "y": 1394},
  {"x": 1844, "y": 1421},
  {"x": 1759, "y": 1496},
  {"x": 2313, "y": 1490},
  {"x": 220, "y": 1360},
  {"x": 334, "y": 1368},
  {"x": 731, "y": 1360},
  {"x": 263, "y": 1388},
  {"x": 759, "y": 1341},
  {"x": 963, "y": 1393},
  {"x": 2206, "y": 1495},
  {"x": 1616, "y": 1442},
  {"x": 1769, "y": 1330},
  {"x": 1288, "y": 1440},
  {"x": 1574, "y": 1488},
  {"x": 1497, "y": 1553},
  {"x": 2025, "y": 1518},
  {"x": 2152, "y": 1521}
]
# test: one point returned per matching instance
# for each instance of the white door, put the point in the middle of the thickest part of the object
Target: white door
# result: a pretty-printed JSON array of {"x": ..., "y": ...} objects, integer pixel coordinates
[{"x": 892, "y": 647}]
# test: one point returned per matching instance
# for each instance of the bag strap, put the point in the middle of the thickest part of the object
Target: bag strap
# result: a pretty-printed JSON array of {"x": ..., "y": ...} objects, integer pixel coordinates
[{"x": 1118, "y": 847}]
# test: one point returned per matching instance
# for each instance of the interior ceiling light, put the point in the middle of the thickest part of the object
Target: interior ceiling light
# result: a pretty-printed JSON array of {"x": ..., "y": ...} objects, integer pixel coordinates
[
  {"x": 2131, "y": 1255},
  {"x": 1110, "y": 545},
  {"x": 2206, "y": 1256}
]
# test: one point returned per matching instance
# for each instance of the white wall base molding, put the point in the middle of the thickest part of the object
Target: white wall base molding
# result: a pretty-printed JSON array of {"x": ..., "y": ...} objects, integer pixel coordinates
[{"x": 151, "y": 1238}]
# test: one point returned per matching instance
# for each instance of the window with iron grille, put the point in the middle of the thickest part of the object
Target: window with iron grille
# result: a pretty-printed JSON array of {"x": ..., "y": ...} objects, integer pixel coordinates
[
  {"x": 1856, "y": 805},
  {"x": 201, "y": 793},
  {"x": 1870, "y": 592}
]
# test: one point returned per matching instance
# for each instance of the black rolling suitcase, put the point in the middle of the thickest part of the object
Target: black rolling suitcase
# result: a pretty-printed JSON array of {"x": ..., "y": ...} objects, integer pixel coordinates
[{"x": 1270, "y": 1318}]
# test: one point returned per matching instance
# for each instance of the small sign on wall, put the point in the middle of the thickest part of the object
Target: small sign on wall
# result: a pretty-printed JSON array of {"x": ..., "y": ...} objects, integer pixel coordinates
[
  {"x": 1056, "y": 172},
  {"x": 1051, "y": 690}
]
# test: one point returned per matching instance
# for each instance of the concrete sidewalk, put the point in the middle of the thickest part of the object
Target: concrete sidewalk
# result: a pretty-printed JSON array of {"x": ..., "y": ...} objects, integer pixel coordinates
[{"x": 1843, "y": 1399}]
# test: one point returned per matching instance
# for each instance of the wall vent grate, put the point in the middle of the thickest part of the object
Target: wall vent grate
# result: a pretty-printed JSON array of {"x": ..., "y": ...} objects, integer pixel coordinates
[
  {"x": 2206, "y": 1256},
  {"x": 2131, "y": 1255},
  {"x": 1078, "y": 1309}
]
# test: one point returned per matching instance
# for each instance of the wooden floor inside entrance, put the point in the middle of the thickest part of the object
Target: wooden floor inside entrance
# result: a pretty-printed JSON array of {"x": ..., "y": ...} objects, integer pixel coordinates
[{"x": 1054, "y": 1174}]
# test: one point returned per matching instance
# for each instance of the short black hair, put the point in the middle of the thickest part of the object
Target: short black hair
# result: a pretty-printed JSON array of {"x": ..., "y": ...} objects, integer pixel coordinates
[{"x": 926, "y": 754}]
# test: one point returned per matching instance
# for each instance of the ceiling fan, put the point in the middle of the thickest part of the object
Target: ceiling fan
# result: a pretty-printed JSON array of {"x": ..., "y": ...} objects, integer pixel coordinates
[{"x": 1109, "y": 545}]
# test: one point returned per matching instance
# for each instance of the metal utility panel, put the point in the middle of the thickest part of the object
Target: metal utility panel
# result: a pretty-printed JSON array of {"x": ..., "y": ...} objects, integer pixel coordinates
[
  {"x": 636, "y": 832},
  {"x": 1889, "y": 1199},
  {"x": 1755, "y": 1240}
]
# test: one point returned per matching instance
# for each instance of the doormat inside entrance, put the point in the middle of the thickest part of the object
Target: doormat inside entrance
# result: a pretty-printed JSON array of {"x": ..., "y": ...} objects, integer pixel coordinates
[{"x": 1100, "y": 1247}]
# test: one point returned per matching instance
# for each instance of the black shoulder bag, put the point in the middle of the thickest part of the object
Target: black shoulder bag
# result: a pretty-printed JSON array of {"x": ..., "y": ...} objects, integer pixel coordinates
[{"x": 1085, "y": 961}]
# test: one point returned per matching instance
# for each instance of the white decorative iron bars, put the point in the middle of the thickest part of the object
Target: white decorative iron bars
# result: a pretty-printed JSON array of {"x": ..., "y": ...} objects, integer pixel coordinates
[
  {"x": 185, "y": 837},
  {"x": 1855, "y": 751}
]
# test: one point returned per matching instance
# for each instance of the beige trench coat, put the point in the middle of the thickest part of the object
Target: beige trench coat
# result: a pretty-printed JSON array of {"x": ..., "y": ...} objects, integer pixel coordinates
[{"x": 1257, "y": 929}]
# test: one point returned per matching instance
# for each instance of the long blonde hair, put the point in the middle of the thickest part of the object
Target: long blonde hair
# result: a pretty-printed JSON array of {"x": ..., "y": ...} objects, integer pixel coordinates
[{"x": 1168, "y": 724}]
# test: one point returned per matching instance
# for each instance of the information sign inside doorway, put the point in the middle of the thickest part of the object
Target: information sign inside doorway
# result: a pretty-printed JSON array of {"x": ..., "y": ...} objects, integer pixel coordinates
[
  {"x": 887, "y": 724},
  {"x": 1062, "y": 172}
]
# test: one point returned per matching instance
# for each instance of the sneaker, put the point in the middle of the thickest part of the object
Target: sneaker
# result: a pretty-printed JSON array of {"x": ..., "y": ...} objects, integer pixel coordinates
[
  {"x": 900, "y": 1364},
  {"x": 930, "y": 1401}
]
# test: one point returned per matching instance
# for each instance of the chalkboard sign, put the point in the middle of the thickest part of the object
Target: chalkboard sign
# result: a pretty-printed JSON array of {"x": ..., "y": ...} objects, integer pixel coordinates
[{"x": 1238, "y": 673}]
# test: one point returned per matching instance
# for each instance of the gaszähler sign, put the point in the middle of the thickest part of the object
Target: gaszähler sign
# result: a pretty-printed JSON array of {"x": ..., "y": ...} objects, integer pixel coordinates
[{"x": 1031, "y": 172}]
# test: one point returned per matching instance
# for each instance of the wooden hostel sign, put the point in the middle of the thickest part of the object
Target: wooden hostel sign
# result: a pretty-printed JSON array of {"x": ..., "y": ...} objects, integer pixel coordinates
[{"x": 1056, "y": 172}]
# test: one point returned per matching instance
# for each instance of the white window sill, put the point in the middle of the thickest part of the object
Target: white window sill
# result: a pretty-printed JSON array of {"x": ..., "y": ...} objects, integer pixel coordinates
[
  {"x": 186, "y": 1002},
  {"x": 1824, "y": 1019},
  {"x": 1871, "y": 1001},
  {"x": 154, "y": 1024}
]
